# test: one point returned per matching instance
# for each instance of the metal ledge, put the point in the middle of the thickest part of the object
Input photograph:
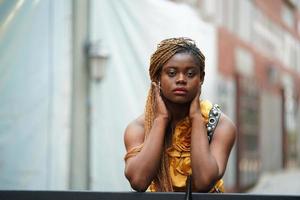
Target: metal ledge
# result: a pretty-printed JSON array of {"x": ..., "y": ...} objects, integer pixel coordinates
[{"x": 90, "y": 195}]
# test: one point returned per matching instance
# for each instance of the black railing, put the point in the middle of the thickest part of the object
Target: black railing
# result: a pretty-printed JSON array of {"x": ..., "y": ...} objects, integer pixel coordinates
[{"x": 90, "y": 195}]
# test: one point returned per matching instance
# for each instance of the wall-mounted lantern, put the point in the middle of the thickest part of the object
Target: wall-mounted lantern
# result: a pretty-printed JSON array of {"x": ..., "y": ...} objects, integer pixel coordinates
[{"x": 97, "y": 60}]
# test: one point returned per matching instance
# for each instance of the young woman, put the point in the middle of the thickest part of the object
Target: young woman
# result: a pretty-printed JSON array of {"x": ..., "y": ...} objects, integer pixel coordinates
[{"x": 178, "y": 136}]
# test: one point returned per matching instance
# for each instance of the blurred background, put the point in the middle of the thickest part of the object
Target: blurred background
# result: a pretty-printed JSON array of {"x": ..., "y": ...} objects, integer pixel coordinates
[{"x": 74, "y": 73}]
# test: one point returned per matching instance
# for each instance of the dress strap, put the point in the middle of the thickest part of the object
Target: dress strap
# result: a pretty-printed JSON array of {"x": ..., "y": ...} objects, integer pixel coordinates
[{"x": 213, "y": 119}]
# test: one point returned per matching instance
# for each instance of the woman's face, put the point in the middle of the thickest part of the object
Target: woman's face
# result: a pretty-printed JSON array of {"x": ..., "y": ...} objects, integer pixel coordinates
[{"x": 180, "y": 78}]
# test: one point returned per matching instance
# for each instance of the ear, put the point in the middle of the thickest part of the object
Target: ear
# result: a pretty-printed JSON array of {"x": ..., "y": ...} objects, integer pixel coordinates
[
  {"x": 201, "y": 82},
  {"x": 202, "y": 78}
]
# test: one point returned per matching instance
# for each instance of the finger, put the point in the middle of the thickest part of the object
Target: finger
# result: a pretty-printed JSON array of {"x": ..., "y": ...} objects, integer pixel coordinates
[
  {"x": 154, "y": 85},
  {"x": 197, "y": 96}
]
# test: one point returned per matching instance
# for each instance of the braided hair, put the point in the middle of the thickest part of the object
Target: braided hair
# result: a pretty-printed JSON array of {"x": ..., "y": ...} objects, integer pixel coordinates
[{"x": 165, "y": 50}]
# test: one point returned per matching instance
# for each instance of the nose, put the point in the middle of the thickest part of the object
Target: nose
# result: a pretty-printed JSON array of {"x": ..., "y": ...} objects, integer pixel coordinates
[{"x": 181, "y": 79}]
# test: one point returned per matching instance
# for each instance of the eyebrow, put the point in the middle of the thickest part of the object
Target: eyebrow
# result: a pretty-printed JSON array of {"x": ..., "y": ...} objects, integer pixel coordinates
[
  {"x": 194, "y": 68},
  {"x": 175, "y": 67}
]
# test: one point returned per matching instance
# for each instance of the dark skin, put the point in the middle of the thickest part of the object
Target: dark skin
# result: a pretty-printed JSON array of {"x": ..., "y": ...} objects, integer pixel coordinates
[{"x": 178, "y": 97}]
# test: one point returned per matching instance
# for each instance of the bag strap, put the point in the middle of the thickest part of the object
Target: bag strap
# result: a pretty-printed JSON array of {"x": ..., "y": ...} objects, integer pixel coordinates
[
  {"x": 188, "y": 192},
  {"x": 213, "y": 119}
]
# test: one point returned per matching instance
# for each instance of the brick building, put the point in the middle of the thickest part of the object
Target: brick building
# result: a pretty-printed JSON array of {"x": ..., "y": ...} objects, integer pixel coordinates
[{"x": 259, "y": 78}]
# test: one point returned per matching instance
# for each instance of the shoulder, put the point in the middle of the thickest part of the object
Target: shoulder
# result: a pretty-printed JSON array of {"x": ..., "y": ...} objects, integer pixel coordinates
[
  {"x": 223, "y": 123},
  {"x": 137, "y": 125},
  {"x": 226, "y": 129},
  {"x": 134, "y": 133},
  {"x": 227, "y": 122}
]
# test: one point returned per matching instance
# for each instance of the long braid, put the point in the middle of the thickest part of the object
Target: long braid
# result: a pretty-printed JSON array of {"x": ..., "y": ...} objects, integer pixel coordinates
[{"x": 165, "y": 50}]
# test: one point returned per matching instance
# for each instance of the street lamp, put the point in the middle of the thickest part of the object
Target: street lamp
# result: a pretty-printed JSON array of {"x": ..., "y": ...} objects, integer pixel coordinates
[{"x": 97, "y": 60}]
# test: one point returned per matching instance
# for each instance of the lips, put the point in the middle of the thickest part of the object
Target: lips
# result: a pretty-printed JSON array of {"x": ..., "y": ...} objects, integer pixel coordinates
[{"x": 180, "y": 91}]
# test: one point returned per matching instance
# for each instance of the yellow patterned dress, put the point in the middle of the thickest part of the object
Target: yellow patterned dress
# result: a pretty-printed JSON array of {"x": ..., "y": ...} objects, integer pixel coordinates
[{"x": 179, "y": 153}]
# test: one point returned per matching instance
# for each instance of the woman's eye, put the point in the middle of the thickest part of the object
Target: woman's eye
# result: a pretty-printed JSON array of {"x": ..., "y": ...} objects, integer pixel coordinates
[
  {"x": 190, "y": 73},
  {"x": 172, "y": 73}
]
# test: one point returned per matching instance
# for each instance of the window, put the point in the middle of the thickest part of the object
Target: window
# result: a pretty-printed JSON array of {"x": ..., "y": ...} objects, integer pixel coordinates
[
  {"x": 287, "y": 14},
  {"x": 245, "y": 19}
]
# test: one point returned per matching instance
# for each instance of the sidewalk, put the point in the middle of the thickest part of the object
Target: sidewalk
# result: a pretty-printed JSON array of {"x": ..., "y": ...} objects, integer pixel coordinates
[{"x": 282, "y": 182}]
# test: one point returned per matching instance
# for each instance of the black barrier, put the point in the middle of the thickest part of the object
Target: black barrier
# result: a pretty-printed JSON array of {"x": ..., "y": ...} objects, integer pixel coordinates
[{"x": 90, "y": 195}]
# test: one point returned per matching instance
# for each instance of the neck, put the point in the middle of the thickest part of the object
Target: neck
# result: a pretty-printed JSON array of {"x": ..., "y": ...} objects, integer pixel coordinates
[{"x": 177, "y": 111}]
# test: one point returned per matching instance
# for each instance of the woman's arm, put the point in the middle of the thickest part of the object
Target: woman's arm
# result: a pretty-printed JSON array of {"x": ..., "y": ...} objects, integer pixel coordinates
[
  {"x": 209, "y": 160},
  {"x": 142, "y": 168}
]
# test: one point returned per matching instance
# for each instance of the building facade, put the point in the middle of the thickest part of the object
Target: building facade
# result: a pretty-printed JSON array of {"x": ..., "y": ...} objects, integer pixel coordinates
[{"x": 258, "y": 57}]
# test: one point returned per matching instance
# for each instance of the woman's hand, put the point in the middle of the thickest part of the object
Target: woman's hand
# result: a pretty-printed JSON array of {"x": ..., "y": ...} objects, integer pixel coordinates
[
  {"x": 195, "y": 106},
  {"x": 160, "y": 107}
]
